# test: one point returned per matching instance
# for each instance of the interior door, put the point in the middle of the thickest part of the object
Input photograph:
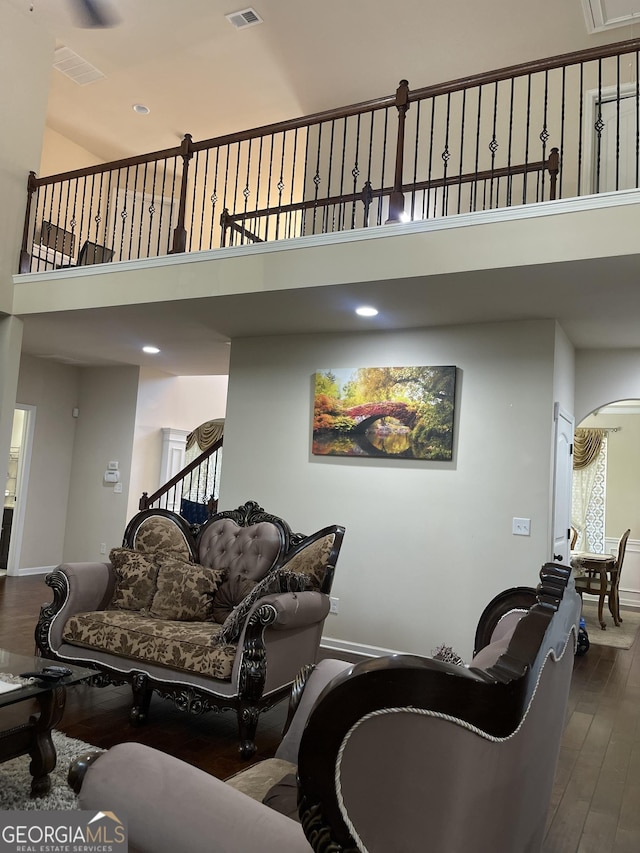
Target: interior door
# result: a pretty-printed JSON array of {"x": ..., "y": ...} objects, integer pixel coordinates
[{"x": 562, "y": 479}]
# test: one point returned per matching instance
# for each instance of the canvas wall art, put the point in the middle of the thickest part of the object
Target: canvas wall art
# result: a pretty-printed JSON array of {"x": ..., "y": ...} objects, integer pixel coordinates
[{"x": 395, "y": 412}]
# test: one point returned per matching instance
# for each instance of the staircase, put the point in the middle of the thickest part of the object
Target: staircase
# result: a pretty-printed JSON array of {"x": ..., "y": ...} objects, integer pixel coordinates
[{"x": 193, "y": 491}]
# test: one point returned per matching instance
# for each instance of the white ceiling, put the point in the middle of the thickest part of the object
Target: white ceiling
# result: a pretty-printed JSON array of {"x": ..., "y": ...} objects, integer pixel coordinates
[{"x": 198, "y": 74}]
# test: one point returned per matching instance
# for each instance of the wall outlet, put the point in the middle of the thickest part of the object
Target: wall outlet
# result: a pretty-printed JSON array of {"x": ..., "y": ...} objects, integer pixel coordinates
[
  {"x": 521, "y": 527},
  {"x": 333, "y": 604},
  {"x": 103, "y": 547}
]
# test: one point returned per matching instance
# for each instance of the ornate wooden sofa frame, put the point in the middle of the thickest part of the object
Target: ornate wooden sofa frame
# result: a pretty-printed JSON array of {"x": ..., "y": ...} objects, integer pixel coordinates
[
  {"x": 399, "y": 752},
  {"x": 276, "y": 628}
]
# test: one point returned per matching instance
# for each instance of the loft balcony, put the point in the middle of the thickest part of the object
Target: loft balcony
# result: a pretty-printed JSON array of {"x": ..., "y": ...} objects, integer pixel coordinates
[{"x": 555, "y": 129}]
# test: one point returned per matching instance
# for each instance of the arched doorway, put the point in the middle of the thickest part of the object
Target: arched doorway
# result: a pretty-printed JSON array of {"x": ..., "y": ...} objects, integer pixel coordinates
[{"x": 606, "y": 491}]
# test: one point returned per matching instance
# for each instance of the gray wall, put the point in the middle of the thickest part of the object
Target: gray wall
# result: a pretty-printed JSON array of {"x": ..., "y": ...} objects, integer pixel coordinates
[
  {"x": 96, "y": 514},
  {"x": 427, "y": 544},
  {"x": 53, "y": 389}
]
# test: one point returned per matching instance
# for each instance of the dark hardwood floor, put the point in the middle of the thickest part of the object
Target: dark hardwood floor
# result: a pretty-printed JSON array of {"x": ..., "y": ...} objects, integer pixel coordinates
[{"x": 596, "y": 798}]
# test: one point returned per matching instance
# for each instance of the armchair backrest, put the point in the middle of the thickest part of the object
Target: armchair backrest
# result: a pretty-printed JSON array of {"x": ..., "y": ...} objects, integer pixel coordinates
[
  {"x": 246, "y": 541},
  {"x": 622, "y": 547},
  {"x": 429, "y": 755},
  {"x": 160, "y": 530}
]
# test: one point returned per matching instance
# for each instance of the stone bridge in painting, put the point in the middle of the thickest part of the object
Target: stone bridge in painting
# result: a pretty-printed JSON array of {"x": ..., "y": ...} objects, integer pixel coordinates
[{"x": 367, "y": 413}]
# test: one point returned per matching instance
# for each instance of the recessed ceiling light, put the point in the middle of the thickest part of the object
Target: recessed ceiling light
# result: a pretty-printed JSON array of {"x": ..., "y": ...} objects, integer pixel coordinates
[
  {"x": 151, "y": 350},
  {"x": 366, "y": 311},
  {"x": 141, "y": 109}
]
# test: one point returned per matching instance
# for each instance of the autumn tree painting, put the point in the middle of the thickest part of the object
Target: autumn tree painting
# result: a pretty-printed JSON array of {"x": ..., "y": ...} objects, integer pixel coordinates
[{"x": 385, "y": 411}]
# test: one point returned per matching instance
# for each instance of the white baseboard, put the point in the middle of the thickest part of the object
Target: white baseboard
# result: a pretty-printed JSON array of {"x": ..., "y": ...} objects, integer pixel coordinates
[
  {"x": 357, "y": 648},
  {"x": 36, "y": 570}
]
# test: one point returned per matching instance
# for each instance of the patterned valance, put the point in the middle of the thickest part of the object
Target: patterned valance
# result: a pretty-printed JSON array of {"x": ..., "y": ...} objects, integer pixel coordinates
[
  {"x": 587, "y": 444},
  {"x": 206, "y": 434}
]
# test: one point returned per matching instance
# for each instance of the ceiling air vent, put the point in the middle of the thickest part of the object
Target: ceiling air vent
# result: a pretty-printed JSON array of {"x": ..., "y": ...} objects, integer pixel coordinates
[
  {"x": 244, "y": 18},
  {"x": 74, "y": 66}
]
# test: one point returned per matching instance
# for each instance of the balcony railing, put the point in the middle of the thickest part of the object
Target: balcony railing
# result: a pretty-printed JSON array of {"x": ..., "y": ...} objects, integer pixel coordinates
[{"x": 556, "y": 128}]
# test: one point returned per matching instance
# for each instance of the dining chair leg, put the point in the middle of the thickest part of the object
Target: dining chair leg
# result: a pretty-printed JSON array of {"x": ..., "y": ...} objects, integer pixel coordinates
[{"x": 603, "y": 592}]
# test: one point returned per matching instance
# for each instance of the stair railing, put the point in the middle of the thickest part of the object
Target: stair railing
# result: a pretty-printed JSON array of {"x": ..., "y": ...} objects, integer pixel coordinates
[{"x": 198, "y": 479}]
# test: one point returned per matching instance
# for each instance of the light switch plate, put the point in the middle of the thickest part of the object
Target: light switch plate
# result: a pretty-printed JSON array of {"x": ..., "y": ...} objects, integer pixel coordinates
[{"x": 521, "y": 527}]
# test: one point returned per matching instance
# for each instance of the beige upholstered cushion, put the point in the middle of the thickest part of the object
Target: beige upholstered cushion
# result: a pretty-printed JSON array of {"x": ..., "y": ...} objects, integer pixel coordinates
[
  {"x": 135, "y": 579},
  {"x": 158, "y": 533},
  {"x": 255, "y": 781},
  {"x": 185, "y": 590},
  {"x": 312, "y": 560},
  {"x": 177, "y": 645}
]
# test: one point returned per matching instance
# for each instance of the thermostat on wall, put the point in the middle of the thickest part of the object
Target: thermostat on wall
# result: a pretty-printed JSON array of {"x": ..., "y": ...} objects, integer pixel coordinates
[{"x": 112, "y": 476}]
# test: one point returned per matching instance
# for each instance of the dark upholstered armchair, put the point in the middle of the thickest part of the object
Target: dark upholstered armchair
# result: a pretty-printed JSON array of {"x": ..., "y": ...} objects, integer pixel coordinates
[
  {"x": 221, "y": 620},
  {"x": 397, "y": 753}
]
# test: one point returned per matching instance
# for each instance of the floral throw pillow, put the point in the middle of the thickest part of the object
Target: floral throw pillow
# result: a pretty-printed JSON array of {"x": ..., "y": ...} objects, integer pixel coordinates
[
  {"x": 136, "y": 575},
  {"x": 312, "y": 560},
  {"x": 185, "y": 591}
]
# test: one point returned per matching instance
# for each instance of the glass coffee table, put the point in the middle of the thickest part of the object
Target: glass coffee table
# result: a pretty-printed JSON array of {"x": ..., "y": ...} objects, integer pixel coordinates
[{"x": 30, "y": 712}]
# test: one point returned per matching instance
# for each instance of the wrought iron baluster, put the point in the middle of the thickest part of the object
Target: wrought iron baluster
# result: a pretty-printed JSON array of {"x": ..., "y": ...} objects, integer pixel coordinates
[
  {"x": 463, "y": 111},
  {"x": 474, "y": 194},
  {"x": 246, "y": 192},
  {"x": 142, "y": 208},
  {"x": 316, "y": 177},
  {"x": 528, "y": 128},
  {"x": 355, "y": 173},
  {"x": 152, "y": 207},
  {"x": 493, "y": 144},
  {"x": 235, "y": 183},
  {"x": 214, "y": 197},
  {"x": 544, "y": 135},
  {"x": 293, "y": 168},
  {"x": 617, "y": 123},
  {"x": 280, "y": 185},
  {"x": 365, "y": 218},
  {"x": 225, "y": 203},
  {"x": 431, "y": 150},
  {"x": 193, "y": 202},
  {"x": 562, "y": 122},
  {"x": 379, "y": 217},
  {"x": 637, "y": 97},
  {"x": 598, "y": 127},
  {"x": 329, "y": 174},
  {"x": 124, "y": 213},
  {"x": 580, "y": 126}
]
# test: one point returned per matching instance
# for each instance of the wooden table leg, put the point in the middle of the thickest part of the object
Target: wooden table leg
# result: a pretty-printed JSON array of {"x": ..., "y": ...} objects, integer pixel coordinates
[{"x": 41, "y": 750}]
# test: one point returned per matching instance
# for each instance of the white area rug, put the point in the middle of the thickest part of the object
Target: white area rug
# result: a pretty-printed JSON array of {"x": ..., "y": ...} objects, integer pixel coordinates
[
  {"x": 619, "y": 638},
  {"x": 15, "y": 780}
]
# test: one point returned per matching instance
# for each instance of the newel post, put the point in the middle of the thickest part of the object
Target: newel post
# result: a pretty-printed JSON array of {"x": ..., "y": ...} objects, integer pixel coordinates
[
  {"x": 180, "y": 233},
  {"x": 24, "y": 264},
  {"x": 396, "y": 199}
]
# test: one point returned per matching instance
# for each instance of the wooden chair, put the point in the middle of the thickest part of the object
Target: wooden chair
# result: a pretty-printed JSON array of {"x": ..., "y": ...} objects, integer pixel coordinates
[
  {"x": 574, "y": 538},
  {"x": 594, "y": 579}
]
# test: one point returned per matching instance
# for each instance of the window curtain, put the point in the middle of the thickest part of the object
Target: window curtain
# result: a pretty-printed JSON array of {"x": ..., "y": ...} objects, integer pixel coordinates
[
  {"x": 588, "y": 491},
  {"x": 205, "y": 435},
  {"x": 203, "y": 485}
]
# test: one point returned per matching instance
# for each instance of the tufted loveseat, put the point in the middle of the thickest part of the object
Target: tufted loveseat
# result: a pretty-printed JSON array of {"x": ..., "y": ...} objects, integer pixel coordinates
[{"x": 217, "y": 617}]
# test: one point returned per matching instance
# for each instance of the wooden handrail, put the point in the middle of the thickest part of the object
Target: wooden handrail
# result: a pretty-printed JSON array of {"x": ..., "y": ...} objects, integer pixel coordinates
[
  {"x": 599, "y": 52},
  {"x": 603, "y": 51}
]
